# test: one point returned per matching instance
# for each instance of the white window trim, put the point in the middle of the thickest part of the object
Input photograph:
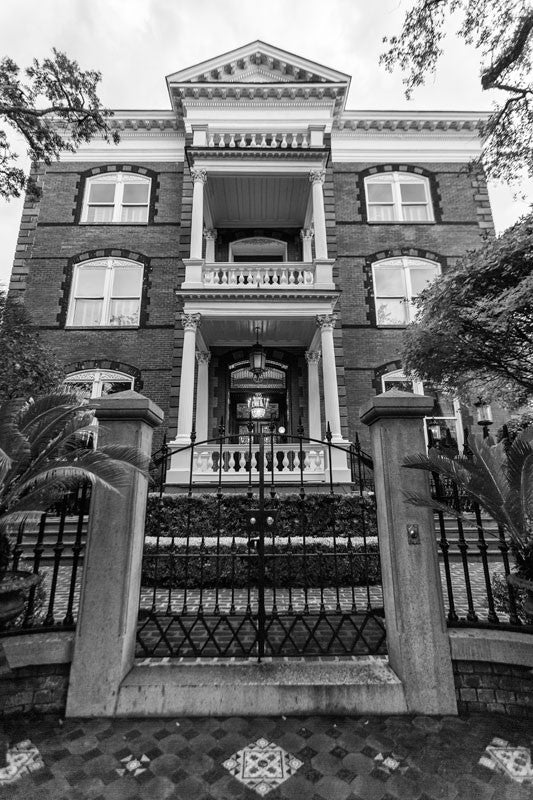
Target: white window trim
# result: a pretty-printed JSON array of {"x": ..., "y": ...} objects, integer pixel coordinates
[
  {"x": 394, "y": 179},
  {"x": 418, "y": 388},
  {"x": 120, "y": 179},
  {"x": 257, "y": 246},
  {"x": 98, "y": 378},
  {"x": 408, "y": 263},
  {"x": 110, "y": 265}
]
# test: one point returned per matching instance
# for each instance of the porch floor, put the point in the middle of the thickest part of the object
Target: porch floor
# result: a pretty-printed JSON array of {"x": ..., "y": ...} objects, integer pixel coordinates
[{"x": 329, "y": 758}]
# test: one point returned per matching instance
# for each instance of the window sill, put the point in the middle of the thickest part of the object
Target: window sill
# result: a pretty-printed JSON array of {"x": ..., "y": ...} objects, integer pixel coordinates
[
  {"x": 115, "y": 224},
  {"x": 102, "y": 327},
  {"x": 401, "y": 222}
]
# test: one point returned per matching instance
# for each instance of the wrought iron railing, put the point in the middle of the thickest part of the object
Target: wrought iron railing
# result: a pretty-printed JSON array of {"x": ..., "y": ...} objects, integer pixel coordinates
[{"x": 50, "y": 545}]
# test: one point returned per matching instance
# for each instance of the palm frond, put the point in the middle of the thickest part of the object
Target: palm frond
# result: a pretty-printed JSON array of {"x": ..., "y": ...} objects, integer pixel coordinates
[
  {"x": 34, "y": 410},
  {"x": 426, "y": 501}
]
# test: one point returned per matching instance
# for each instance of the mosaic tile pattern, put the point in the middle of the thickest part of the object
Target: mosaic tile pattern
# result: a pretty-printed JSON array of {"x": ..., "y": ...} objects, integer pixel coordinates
[
  {"x": 512, "y": 761},
  {"x": 21, "y": 759},
  {"x": 262, "y": 766},
  {"x": 342, "y": 758}
]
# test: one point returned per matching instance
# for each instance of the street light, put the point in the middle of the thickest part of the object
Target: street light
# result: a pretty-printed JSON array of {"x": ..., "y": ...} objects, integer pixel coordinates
[{"x": 484, "y": 415}]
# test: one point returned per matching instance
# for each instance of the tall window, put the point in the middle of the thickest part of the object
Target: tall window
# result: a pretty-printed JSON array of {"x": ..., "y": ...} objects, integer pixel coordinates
[
  {"x": 116, "y": 197},
  {"x": 91, "y": 383},
  {"x": 106, "y": 292},
  {"x": 397, "y": 282},
  {"x": 398, "y": 197}
]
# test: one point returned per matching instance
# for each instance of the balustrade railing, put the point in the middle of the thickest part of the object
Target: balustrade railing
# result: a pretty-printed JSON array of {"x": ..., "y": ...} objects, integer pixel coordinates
[
  {"x": 239, "y": 459},
  {"x": 248, "y": 275},
  {"x": 271, "y": 139}
]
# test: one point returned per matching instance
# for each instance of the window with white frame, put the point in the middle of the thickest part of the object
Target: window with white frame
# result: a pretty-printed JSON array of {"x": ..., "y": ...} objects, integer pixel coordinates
[
  {"x": 397, "y": 283},
  {"x": 92, "y": 383},
  {"x": 106, "y": 292},
  {"x": 116, "y": 197},
  {"x": 444, "y": 429},
  {"x": 398, "y": 197}
]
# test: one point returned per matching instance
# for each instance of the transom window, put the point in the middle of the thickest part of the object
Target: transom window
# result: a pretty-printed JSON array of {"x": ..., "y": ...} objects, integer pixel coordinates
[
  {"x": 398, "y": 197},
  {"x": 106, "y": 292},
  {"x": 116, "y": 197},
  {"x": 397, "y": 282},
  {"x": 92, "y": 383}
]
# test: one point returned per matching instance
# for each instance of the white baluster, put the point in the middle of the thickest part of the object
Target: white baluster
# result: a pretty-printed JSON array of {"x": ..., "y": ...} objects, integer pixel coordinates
[
  {"x": 242, "y": 142},
  {"x": 274, "y": 142},
  {"x": 294, "y": 142},
  {"x": 307, "y": 460},
  {"x": 221, "y": 139},
  {"x": 232, "y": 140},
  {"x": 291, "y": 276},
  {"x": 231, "y": 462},
  {"x": 283, "y": 280},
  {"x": 296, "y": 461},
  {"x": 224, "y": 276},
  {"x": 305, "y": 140},
  {"x": 202, "y": 461},
  {"x": 320, "y": 460},
  {"x": 308, "y": 277},
  {"x": 284, "y": 140},
  {"x": 232, "y": 277},
  {"x": 250, "y": 276},
  {"x": 211, "y": 142},
  {"x": 240, "y": 277},
  {"x": 210, "y": 461},
  {"x": 207, "y": 277},
  {"x": 263, "y": 140},
  {"x": 253, "y": 142},
  {"x": 285, "y": 462},
  {"x": 300, "y": 276}
]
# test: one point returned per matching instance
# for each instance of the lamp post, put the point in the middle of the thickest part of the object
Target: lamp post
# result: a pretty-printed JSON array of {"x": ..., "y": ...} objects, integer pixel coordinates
[{"x": 484, "y": 415}]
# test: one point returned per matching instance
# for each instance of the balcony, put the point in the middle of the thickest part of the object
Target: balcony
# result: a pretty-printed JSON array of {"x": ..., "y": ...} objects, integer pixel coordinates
[{"x": 286, "y": 276}]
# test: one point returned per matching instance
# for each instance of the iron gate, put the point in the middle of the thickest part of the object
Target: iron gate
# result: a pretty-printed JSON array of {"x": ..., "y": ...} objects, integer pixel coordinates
[{"x": 264, "y": 560}]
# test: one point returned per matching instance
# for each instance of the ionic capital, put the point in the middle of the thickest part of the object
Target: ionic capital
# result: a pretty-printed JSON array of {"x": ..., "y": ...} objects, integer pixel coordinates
[
  {"x": 198, "y": 175},
  {"x": 312, "y": 356},
  {"x": 190, "y": 322},
  {"x": 203, "y": 357},
  {"x": 317, "y": 176},
  {"x": 326, "y": 322},
  {"x": 307, "y": 233},
  {"x": 210, "y": 234}
]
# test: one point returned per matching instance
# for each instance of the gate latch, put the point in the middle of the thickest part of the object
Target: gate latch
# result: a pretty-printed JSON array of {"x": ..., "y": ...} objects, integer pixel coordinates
[{"x": 413, "y": 534}]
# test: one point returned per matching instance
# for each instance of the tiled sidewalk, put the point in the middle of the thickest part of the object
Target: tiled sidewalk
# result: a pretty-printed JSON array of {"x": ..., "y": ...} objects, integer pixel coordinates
[{"x": 306, "y": 758}]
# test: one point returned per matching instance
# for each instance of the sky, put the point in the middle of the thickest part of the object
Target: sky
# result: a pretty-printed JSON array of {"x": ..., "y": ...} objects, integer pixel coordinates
[{"x": 135, "y": 43}]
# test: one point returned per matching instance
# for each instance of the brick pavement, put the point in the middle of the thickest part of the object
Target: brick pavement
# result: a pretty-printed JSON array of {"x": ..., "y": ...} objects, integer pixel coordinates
[{"x": 285, "y": 758}]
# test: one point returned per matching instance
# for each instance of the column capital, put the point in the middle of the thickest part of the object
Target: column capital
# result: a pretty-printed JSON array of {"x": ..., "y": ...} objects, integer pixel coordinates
[
  {"x": 317, "y": 175},
  {"x": 307, "y": 233},
  {"x": 190, "y": 322},
  {"x": 198, "y": 175},
  {"x": 312, "y": 356},
  {"x": 210, "y": 234},
  {"x": 203, "y": 357},
  {"x": 326, "y": 321}
]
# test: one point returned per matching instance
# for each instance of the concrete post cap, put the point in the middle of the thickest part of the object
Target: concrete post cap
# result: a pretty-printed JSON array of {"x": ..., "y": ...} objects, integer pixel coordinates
[
  {"x": 396, "y": 403},
  {"x": 128, "y": 405}
]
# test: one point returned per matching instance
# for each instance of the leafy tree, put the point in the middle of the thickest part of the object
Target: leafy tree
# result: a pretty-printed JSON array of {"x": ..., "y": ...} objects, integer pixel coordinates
[
  {"x": 26, "y": 367},
  {"x": 56, "y": 109},
  {"x": 474, "y": 331},
  {"x": 502, "y": 30}
]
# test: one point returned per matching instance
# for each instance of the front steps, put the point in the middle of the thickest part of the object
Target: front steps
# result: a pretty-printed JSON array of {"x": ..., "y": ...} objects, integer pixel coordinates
[{"x": 232, "y": 687}]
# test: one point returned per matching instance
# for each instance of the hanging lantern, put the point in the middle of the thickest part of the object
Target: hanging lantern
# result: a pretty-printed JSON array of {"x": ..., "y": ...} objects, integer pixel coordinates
[
  {"x": 484, "y": 412},
  {"x": 434, "y": 429},
  {"x": 258, "y": 406},
  {"x": 257, "y": 358}
]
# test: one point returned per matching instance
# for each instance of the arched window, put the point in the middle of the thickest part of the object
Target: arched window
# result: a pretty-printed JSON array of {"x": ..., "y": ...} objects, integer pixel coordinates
[
  {"x": 106, "y": 292},
  {"x": 116, "y": 197},
  {"x": 397, "y": 282},
  {"x": 398, "y": 197},
  {"x": 92, "y": 383}
]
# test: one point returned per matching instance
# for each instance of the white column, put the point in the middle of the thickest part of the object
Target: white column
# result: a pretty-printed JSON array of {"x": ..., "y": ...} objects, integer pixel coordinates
[
  {"x": 210, "y": 236},
  {"x": 306, "y": 235},
  {"x": 313, "y": 394},
  {"x": 317, "y": 177},
  {"x": 202, "y": 397},
  {"x": 326, "y": 324},
  {"x": 190, "y": 324},
  {"x": 199, "y": 177}
]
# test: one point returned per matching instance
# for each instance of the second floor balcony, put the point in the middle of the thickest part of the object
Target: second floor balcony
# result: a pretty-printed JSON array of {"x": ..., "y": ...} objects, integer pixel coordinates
[{"x": 258, "y": 276}]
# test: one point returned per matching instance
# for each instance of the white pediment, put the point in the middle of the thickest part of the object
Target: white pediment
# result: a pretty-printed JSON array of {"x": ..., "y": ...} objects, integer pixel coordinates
[{"x": 257, "y": 62}]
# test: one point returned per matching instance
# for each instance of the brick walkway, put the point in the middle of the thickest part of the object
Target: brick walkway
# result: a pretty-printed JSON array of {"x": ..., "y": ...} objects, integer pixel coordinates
[{"x": 285, "y": 758}]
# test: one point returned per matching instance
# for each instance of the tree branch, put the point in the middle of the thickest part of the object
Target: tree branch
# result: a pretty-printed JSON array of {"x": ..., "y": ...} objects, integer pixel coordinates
[{"x": 509, "y": 56}]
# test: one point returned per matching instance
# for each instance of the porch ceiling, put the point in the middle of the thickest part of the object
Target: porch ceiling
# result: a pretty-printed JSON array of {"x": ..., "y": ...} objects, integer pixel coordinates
[
  {"x": 265, "y": 201},
  {"x": 240, "y": 332}
]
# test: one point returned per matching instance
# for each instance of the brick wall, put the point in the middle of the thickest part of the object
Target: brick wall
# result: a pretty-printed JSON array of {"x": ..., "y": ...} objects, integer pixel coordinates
[
  {"x": 485, "y": 686},
  {"x": 461, "y": 200},
  {"x": 34, "y": 688}
]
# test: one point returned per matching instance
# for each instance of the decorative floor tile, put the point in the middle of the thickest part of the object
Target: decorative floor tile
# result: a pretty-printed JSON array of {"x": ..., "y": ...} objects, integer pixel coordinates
[
  {"x": 515, "y": 762},
  {"x": 133, "y": 766},
  {"x": 262, "y": 766},
  {"x": 22, "y": 759}
]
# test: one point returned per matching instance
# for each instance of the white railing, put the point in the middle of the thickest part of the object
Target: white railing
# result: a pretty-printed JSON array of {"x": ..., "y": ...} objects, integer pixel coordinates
[
  {"x": 271, "y": 140},
  {"x": 247, "y": 275},
  {"x": 236, "y": 460}
]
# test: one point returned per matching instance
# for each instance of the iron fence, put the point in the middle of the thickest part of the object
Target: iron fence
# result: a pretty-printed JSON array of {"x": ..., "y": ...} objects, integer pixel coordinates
[{"x": 52, "y": 546}]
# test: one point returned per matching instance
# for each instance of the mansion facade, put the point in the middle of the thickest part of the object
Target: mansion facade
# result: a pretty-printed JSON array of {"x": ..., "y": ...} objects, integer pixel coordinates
[{"x": 257, "y": 217}]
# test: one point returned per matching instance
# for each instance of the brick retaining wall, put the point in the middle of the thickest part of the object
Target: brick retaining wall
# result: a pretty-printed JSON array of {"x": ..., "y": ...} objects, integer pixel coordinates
[
  {"x": 41, "y": 688},
  {"x": 494, "y": 687}
]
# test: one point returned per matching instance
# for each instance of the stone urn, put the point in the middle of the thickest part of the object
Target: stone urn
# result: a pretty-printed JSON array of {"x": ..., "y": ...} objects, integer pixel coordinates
[
  {"x": 14, "y": 587},
  {"x": 524, "y": 583}
]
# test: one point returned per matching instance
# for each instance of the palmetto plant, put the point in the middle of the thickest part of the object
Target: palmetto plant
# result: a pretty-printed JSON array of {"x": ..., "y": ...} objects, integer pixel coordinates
[
  {"x": 500, "y": 480},
  {"x": 43, "y": 456}
]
